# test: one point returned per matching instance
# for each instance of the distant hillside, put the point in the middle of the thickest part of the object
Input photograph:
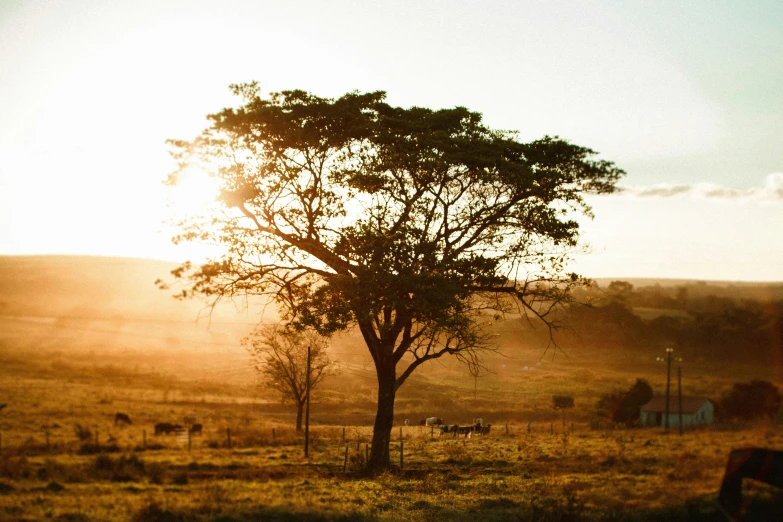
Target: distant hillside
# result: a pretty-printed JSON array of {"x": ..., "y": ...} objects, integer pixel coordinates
[
  {"x": 108, "y": 287},
  {"x": 111, "y": 307},
  {"x": 99, "y": 287},
  {"x": 763, "y": 291}
]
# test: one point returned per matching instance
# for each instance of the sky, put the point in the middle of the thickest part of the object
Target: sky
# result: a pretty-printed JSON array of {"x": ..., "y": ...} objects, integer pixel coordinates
[{"x": 686, "y": 96}]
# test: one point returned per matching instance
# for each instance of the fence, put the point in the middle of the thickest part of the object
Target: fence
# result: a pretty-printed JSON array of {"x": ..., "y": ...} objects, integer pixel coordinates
[{"x": 49, "y": 440}]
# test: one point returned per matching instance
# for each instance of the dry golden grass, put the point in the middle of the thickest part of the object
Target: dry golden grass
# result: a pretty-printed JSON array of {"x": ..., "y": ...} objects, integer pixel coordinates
[{"x": 638, "y": 474}]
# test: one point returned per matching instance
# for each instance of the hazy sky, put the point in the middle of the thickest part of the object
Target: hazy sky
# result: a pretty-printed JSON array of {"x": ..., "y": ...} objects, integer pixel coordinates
[{"x": 686, "y": 96}]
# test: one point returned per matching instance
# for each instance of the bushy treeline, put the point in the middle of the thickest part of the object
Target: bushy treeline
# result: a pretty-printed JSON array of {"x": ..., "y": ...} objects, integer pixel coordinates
[
  {"x": 745, "y": 400},
  {"x": 750, "y": 400},
  {"x": 688, "y": 316}
]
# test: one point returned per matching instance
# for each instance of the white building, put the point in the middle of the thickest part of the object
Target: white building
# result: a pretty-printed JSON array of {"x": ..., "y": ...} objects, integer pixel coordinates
[{"x": 696, "y": 411}]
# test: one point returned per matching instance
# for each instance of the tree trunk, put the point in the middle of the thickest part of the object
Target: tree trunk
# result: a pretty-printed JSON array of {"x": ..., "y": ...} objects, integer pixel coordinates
[
  {"x": 384, "y": 417},
  {"x": 299, "y": 410}
]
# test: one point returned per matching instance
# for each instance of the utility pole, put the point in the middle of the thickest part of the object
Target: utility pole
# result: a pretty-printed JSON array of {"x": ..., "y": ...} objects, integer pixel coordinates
[
  {"x": 668, "y": 360},
  {"x": 679, "y": 392},
  {"x": 307, "y": 406}
]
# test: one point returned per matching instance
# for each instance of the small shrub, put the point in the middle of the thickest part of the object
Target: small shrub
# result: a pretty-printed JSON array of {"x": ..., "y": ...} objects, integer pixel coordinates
[
  {"x": 83, "y": 433},
  {"x": 103, "y": 463},
  {"x": 72, "y": 517},
  {"x": 15, "y": 468},
  {"x": 157, "y": 473},
  {"x": 55, "y": 487},
  {"x": 127, "y": 468}
]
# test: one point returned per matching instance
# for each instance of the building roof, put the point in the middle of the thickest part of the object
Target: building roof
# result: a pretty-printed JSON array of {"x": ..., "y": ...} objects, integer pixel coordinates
[{"x": 689, "y": 404}]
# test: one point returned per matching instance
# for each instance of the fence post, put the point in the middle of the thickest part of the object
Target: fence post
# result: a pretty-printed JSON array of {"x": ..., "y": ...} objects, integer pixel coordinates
[
  {"x": 46, "y": 430},
  {"x": 401, "y": 452},
  {"x": 189, "y": 439},
  {"x": 343, "y": 434},
  {"x": 228, "y": 437},
  {"x": 144, "y": 439},
  {"x": 345, "y": 458},
  {"x": 552, "y": 428},
  {"x": 507, "y": 428},
  {"x": 274, "y": 437}
]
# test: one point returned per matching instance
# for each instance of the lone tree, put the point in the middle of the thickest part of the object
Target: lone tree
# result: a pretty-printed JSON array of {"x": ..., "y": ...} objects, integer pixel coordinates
[
  {"x": 414, "y": 225},
  {"x": 562, "y": 403},
  {"x": 280, "y": 356}
]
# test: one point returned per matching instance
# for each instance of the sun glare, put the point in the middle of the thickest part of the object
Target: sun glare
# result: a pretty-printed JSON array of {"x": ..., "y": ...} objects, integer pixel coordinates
[{"x": 194, "y": 193}]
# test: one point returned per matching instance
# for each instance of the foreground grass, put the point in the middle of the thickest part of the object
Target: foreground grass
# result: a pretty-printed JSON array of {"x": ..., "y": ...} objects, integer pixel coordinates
[
  {"x": 62, "y": 458},
  {"x": 628, "y": 475}
]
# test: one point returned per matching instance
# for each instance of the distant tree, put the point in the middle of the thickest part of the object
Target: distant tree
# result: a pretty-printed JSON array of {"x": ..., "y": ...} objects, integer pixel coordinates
[
  {"x": 750, "y": 400},
  {"x": 562, "y": 403},
  {"x": 610, "y": 406},
  {"x": 639, "y": 394},
  {"x": 619, "y": 290},
  {"x": 417, "y": 226},
  {"x": 280, "y": 358},
  {"x": 682, "y": 297},
  {"x": 625, "y": 406}
]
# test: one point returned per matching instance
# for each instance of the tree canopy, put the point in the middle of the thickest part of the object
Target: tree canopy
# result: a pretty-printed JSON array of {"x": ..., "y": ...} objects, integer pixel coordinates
[
  {"x": 413, "y": 225},
  {"x": 625, "y": 406}
]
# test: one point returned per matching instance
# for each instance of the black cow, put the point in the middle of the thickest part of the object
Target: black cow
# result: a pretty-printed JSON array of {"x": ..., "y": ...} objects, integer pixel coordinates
[
  {"x": 167, "y": 428},
  {"x": 121, "y": 418},
  {"x": 444, "y": 429},
  {"x": 196, "y": 428},
  {"x": 464, "y": 430}
]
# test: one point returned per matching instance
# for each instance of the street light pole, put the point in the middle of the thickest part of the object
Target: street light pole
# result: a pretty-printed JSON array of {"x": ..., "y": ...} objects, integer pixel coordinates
[
  {"x": 669, "y": 352},
  {"x": 668, "y": 382},
  {"x": 679, "y": 391}
]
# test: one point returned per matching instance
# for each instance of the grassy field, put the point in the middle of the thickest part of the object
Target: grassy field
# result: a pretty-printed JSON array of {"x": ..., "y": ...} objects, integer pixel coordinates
[
  {"x": 62, "y": 458},
  {"x": 81, "y": 340}
]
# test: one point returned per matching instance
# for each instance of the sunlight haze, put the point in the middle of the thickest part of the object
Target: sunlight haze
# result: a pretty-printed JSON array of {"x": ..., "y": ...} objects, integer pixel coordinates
[{"x": 681, "y": 97}]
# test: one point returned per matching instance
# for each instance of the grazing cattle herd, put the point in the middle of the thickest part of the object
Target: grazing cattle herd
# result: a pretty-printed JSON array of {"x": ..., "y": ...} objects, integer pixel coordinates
[
  {"x": 478, "y": 428},
  {"x": 166, "y": 428}
]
